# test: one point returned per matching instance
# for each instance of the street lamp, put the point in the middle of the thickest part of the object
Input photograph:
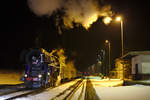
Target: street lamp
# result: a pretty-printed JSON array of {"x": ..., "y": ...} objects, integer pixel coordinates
[
  {"x": 119, "y": 19},
  {"x": 109, "y": 65},
  {"x": 107, "y": 20}
]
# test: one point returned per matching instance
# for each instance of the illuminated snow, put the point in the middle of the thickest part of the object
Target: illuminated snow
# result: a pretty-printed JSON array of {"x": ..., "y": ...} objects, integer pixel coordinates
[
  {"x": 104, "y": 89},
  {"x": 10, "y": 77},
  {"x": 135, "y": 92}
]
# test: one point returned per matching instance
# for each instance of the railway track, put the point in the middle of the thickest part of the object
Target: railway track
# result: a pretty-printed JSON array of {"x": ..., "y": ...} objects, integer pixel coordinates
[
  {"x": 13, "y": 92},
  {"x": 74, "y": 92},
  {"x": 8, "y": 89}
]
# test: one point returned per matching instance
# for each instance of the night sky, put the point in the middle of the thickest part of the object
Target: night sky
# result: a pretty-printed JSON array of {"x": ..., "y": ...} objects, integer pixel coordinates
[{"x": 21, "y": 29}]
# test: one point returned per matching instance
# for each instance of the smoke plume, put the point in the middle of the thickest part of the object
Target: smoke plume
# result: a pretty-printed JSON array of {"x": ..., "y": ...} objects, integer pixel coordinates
[
  {"x": 84, "y": 12},
  {"x": 44, "y": 7}
]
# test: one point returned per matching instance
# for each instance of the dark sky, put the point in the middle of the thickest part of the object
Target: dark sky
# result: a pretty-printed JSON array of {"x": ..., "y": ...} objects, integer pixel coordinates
[{"x": 21, "y": 29}]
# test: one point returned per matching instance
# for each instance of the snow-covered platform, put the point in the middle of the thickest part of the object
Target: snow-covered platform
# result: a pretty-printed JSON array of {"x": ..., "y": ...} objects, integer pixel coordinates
[{"x": 105, "y": 90}]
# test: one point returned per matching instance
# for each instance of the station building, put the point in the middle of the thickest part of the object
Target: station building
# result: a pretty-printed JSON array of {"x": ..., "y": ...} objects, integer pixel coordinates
[{"x": 133, "y": 65}]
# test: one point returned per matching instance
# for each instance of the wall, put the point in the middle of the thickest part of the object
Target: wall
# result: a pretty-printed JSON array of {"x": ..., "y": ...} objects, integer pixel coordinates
[
  {"x": 143, "y": 62},
  {"x": 123, "y": 68}
]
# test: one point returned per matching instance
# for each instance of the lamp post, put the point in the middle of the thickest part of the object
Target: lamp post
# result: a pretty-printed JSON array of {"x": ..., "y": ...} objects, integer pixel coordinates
[
  {"x": 109, "y": 65},
  {"x": 122, "y": 44},
  {"x": 119, "y": 19}
]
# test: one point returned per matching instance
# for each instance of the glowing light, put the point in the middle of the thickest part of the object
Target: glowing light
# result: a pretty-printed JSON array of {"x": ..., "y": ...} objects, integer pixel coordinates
[
  {"x": 40, "y": 76},
  {"x": 118, "y": 18},
  {"x": 25, "y": 75},
  {"x": 106, "y": 41},
  {"x": 107, "y": 20}
]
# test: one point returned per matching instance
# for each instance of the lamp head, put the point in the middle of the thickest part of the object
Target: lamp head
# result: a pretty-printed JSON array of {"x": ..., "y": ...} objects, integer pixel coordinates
[
  {"x": 118, "y": 18},
  {"x": 106, "y": 41}
]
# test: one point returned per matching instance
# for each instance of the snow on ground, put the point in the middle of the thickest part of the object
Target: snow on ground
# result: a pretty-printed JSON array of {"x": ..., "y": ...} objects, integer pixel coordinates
[
  {"x": 97, "y": 81},
  {"x": 10, "y": 77},
  {"x": 123, "y": 93},
  {"x": 135, "y": 92},
  {"x": 49, "y": 93}
]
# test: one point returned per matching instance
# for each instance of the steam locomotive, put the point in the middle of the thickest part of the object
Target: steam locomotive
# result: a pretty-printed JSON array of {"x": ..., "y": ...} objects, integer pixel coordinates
[{"x": 38, "y": 70}]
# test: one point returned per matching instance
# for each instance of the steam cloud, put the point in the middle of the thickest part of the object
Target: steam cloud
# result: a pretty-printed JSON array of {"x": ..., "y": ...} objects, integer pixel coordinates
[{"x": 83, "y": 12}]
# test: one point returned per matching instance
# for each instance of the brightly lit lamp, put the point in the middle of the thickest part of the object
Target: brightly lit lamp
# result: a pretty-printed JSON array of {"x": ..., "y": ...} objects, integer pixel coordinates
[
  {"x": 109, "y": 65},
  {"x": 119, "y": 19},
  {"x": 107, "y": 20}
]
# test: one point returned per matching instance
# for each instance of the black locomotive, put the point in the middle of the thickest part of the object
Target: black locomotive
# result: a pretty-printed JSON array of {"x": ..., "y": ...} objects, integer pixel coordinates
[{"x": 38, "y": 72}]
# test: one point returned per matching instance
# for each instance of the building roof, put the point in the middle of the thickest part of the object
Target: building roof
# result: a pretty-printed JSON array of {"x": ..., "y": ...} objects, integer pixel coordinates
[{"x": 134, "y": 53}]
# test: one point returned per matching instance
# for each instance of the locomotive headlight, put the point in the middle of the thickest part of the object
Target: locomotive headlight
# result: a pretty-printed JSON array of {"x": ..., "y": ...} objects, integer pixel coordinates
[
  {"x": 25, "y": 75},
  {"x": 48, "y": 73},
  {"x": 39, "y": 75}
]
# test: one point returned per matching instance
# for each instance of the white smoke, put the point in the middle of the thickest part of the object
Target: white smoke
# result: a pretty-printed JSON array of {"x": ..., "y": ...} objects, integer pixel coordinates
[
  {"x": 44, "y": 7},
  {"x": 84, "y": 12},
  {"x": 80, "y": 12}
]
